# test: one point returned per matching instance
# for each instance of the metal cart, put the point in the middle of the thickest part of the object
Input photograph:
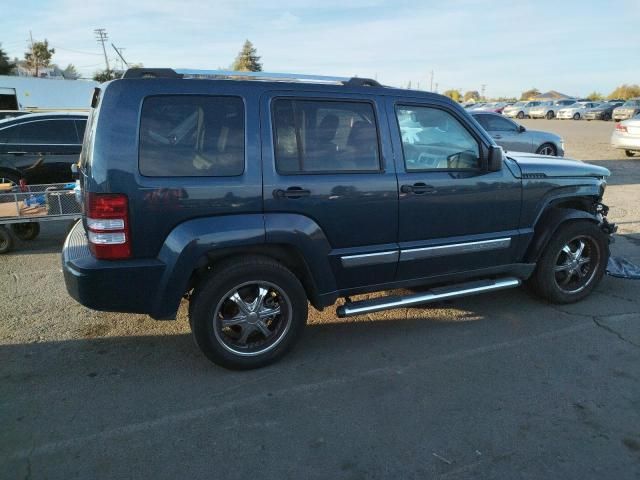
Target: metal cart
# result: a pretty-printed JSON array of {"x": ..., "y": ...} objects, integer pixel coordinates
[{"x": 23, "y": 207}]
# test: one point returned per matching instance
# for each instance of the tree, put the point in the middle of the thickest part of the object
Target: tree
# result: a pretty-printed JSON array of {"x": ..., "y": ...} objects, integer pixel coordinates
[
  {"x": 453, "y": 95},
  {"x": 247, "y": 60},
  {"x": 471, "y": 95},
  {"x": 527, "y": 95},
  {"x": 39, "y": 56},
  {"x": 5, "y": 65},
  {"x": 104, "y": 75},
  {"x": 70, "y": 73},
  {"x": 625, "y": 92},
  {"x": 595, "y": 96}
]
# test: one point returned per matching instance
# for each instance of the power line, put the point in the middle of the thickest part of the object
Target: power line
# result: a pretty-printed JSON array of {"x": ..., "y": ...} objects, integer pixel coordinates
[
  {"x": 101, "y": 37},
  {"x": 75, "y": 51}
]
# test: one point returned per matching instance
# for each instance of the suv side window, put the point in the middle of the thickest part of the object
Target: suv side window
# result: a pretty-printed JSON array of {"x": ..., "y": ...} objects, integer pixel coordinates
[
  {"x": 44, "y": 132},
  {"x": 325, "y": 136},
  {"x": 433, "y": 139},
  {"x": 192, "y": 136}
]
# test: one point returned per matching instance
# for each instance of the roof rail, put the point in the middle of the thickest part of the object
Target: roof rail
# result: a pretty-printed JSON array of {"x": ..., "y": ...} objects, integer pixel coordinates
[{"x": 231, "y": 74}]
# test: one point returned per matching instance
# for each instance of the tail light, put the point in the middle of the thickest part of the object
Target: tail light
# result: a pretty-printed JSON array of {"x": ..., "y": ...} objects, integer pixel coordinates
[
  {"x": 108, "y": 226},
  {"x": 621, "y": 128}
]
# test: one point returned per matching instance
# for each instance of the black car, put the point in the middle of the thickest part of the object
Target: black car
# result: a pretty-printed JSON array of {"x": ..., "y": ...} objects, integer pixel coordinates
[
  {"x": 252, "y": 197},
  {"x": 602, "y": 112},
  {"x": 40, "y": 147}
]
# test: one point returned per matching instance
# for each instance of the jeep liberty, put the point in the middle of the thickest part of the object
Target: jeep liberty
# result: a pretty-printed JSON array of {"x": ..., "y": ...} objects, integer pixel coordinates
[{"x": 255, "y": 194}]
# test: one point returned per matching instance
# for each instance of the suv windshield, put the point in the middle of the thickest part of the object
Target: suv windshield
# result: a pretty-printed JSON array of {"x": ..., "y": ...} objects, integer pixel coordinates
[{"x": 631, "y": 103}]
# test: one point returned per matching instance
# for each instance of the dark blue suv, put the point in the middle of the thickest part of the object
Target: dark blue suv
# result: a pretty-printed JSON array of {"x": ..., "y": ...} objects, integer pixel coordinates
[{"x": 251, "y": 195}]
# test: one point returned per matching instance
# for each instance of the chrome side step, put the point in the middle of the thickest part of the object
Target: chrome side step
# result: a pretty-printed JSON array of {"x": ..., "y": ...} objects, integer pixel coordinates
[{"x": 433, "y": 295}]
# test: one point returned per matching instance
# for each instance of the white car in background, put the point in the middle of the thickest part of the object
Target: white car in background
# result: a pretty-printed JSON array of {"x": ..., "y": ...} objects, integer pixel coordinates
[
  {"x": 576, "y": 111},
  {"x": 519, "y": 109},
  {"x": 550, "y": 109},
  {"x": 626, "y": 136}
]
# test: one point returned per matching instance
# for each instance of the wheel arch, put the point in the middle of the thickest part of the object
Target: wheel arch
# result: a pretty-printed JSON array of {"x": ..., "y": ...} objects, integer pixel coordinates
[
  {"x": 288, "y": 255},
  {"x": 557, "y": 214}
]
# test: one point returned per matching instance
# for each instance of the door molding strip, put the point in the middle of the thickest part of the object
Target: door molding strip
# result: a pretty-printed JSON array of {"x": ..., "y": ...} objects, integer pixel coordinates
[{"x": 454, "y": 248}]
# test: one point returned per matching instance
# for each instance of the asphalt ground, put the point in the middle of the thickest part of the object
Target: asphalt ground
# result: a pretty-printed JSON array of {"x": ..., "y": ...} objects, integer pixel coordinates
[{"x": 495, "y": 386}]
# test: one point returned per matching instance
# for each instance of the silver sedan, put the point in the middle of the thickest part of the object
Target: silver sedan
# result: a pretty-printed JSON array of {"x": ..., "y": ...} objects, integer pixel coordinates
[
  {"x": 626, "y": 136},
  {"x": 515, "y": 137}
]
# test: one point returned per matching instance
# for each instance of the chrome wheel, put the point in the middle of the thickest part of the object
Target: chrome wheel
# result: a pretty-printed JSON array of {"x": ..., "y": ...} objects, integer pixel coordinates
[
  {"x": 547, "y": 149},
  {"x": 576, "y": 264},
  {"x": 252, "y": 318}
]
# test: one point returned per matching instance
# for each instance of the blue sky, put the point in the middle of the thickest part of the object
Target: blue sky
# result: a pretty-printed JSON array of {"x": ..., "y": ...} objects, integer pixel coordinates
[{"x": 571, "y": 46}]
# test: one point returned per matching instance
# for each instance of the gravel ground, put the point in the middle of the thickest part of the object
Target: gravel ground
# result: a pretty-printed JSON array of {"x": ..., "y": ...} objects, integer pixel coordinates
[{"x": 496, "y": 386}]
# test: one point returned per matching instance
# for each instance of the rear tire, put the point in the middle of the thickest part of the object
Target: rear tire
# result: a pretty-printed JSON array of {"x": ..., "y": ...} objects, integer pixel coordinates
[
  {"x": 26, "y": 231},
  {"x": 572, "y": 263},
  {"x": 576, "y": 116},
  {"x": 550, "y": 115},
  {"x": 248, "y": 312},
  {"x": 6, "y": 240},
  {"x": 629, "y": 153},
  {"x": 520, "y": 115}
]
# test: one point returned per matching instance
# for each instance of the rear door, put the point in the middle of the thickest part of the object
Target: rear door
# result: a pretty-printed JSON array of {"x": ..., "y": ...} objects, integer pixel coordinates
[
  {"x": 325, "y": 158},
  {"x": 43, "y": 150},
  {"x": 455, "y": 216}
]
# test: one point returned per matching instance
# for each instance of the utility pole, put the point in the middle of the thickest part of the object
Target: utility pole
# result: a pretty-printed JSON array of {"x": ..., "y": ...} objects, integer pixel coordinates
[
  {"x": 431, "y": 83},
  {"x": 436, "y": 87},
  {"x": 482, "y": 89},
  {"x": 101, "y": 37},
  {"x": 119, "y": 52}
]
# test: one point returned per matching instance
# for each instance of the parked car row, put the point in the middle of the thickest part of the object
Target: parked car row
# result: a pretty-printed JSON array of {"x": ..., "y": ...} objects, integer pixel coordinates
[{"x": 566, "y": 109}]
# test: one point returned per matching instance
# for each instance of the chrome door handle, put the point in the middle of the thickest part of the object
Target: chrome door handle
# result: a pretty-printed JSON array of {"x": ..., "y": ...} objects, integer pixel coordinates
[
  {"x": 418, "y": 188},
  {"x": 291, "y": 192},
  {"x": 17, "y": 153}
]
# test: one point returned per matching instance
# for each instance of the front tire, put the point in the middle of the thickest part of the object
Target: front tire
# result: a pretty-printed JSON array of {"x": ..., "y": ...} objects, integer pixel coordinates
[
  {"x": 576, "y": 116},
  {"x": 572, "y": 263},
  {"x": 629, "y": 153},
  {"x": 520, "y": 115},
  {"x": 550, "y": 115},
  {"x": 547, "y": 149},
  {"x": 248, "y": 312}
]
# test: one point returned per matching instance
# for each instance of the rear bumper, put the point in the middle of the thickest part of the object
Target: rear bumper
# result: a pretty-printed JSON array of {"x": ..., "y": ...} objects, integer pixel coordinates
[
  {"x": 128, "y": 286},
  {"x": 625, "y": 142}
]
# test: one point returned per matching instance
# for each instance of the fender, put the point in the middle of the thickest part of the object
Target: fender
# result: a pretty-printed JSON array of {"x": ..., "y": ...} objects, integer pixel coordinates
[
  {"x": 548, "y": 224},
  {"x": 190, "y": 241}
]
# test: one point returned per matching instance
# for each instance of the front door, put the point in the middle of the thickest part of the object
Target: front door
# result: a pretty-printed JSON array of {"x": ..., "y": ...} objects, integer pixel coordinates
[
  {"x": 324, "y": 161},
  {"x": 455, "y": 215}
]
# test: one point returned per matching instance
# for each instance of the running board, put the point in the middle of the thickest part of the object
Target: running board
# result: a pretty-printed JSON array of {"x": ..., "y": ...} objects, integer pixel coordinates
[{"x": 434, "y": 295}]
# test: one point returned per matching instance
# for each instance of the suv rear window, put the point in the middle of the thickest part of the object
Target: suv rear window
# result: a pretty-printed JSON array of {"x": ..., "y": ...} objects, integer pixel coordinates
[
  {"x": 192, "y": 136},
  {"x": 325, "y": 136}
]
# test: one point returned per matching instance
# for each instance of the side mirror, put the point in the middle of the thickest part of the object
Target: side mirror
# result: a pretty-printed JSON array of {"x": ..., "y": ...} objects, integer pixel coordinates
[
  {"x": 521, "y": 129},
  {"x": 496, "y": 157}
]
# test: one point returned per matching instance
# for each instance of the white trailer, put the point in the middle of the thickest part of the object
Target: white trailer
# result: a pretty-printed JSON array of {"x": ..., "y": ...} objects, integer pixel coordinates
[{"x": 44, "y": 94}]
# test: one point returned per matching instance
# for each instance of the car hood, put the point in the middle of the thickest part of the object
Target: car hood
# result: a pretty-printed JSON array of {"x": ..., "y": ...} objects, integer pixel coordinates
[{"x": 532, "y": 165}]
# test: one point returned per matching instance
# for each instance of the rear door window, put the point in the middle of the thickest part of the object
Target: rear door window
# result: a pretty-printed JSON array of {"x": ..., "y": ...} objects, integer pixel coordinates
[
  {"x": 44, "y": 132},
  {"x": 192, "y": 136},
  {"x": 322, "y": 136}
]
